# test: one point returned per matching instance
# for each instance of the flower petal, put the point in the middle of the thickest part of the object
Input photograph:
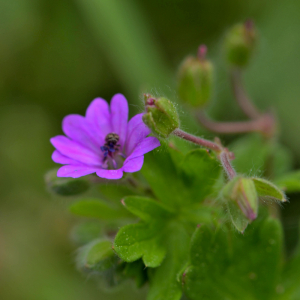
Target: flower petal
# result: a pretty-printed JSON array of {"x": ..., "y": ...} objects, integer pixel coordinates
[
  {"x": 98, "y": 117},
  {"x": 146, "y": 145},
  {"x": 133, "y": 165},
  {"x": 75, "y": 151},
  {"x": 77, "y": 129},
  {"x": 136, "y": 132},
  {"x": 75, "y": 171},
  {"x": 61, "y": 159},
  {"x": 119, "y": 116},
  {"x": 110, "y": 174}
]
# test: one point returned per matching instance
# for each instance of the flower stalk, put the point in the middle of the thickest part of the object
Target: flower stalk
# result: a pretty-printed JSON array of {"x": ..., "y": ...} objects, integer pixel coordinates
[{"x": 224, "y": 155}]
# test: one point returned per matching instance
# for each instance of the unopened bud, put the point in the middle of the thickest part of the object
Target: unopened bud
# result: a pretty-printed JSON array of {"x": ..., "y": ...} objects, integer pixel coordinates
[
  {"x": 96, "y": 256},
  {"x": 195, "y": 79},
  {"x": 160, "y": 116},
  {"x": 242, "y": 201},
  {"x": 66, "y": 186},
  {"x": 240, "y": 43}
]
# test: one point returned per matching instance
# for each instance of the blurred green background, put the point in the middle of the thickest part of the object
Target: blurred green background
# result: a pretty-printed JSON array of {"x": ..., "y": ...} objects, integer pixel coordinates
[{"x": 56, "y": 56}]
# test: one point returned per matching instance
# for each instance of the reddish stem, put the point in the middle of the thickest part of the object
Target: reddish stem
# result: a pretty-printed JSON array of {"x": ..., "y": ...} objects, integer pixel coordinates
[
  {"x": 264, "y": 124},
  {"x": 196, "y": 140},
  {"x": 241, "y": 97},
  {"x": 224, "y": 158}
]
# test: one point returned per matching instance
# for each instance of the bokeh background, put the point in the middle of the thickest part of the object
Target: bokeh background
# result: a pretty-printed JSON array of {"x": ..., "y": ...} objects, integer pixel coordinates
[{"x": 56, "y": 56}]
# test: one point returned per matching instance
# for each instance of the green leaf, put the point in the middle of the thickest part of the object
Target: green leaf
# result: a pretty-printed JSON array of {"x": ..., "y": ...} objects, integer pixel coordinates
[
  {"x": 95, "y": 208},
  {"x": 182, "y": 182},
  {"x": 290, "y": 288},
  {"x": 164, "y": 181},
  {"x": 226, "y": 265},
  {"x": 164, "y": 283},
  {"x": 146, "y": 208},
  {"x": 200, "y": 171},
  {"x": 290, "y": 182},
  {"x": 141, "y": 240},
  {"x": 268, "y": 190}
]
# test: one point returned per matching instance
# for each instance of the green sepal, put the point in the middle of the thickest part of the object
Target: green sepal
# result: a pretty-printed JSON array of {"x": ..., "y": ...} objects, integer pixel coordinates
[
  {"x": 268, "y": 191},
  {"x": 161, "y": 117},
  {"x": 64, "y": 186},
  {"x": 95, "y": 208}
]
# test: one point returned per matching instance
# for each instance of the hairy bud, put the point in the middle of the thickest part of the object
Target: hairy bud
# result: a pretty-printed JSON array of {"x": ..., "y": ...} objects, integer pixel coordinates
[
  {"x": 242, "y": 201},
  {"x": 161, "y": 115},
  {"x": 240, "y": 43},
  {"x": 195, "y": 79}
]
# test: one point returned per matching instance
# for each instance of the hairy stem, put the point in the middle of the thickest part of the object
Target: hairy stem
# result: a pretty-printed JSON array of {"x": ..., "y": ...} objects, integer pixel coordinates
[
  {"x": 227, "y": 165},
  {"x": 224, "y": 155},
  {"x": 196, "y": 140}
]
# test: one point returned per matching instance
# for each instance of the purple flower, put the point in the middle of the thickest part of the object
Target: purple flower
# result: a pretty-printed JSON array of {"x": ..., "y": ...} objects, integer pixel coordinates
[{"x": 102, "y": 142}]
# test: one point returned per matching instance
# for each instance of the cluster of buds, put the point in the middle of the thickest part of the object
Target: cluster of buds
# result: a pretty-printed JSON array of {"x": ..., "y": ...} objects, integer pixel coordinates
[{"x": 241, "y": 194}]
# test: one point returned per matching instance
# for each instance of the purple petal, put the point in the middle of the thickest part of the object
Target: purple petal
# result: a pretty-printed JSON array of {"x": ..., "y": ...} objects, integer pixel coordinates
[
  {"x": 110, "y": 174},
  {"x": 75, "y": 151},
  {"x": 136, "y": 132},
  {"x": 61, "y": 159},
  {"x": 77, "y": 129},
  {"x": 98, "y": 117},
  {"x": 133, "y": 165},
  {"x": 75, "y": 171},
  {"x": 146, "y": 145},
  {"x": 119, "y": 116}
]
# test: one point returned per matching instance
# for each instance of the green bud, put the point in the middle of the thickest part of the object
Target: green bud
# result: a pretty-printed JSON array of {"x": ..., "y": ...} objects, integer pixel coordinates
[
  {"x": 161, "y": 116},
  {"x": 240, "y": 43},
  {"x": 242, "y": 201},
  {"x": 98, "y": 255},
  {"x": 66, "y": 186},
  {"x": 195, "y": 79}
]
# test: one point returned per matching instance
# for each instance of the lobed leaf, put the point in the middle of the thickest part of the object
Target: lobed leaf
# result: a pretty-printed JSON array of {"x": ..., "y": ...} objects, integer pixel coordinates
[
  {"x": 226, "y": 265},
  {"x": 141, "y": 240}
]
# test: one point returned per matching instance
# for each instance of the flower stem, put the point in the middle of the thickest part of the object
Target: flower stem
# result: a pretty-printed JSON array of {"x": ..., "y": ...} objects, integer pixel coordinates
[
  {"x": 227, "y": 165},
  {"x": 196, "y": 140},
  {"x": 264, "y": 124},
  {"x": 241, "y": 97}
]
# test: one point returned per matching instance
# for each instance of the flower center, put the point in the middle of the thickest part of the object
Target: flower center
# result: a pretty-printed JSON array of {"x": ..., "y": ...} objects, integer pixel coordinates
[{"x": 110, "y": 149}]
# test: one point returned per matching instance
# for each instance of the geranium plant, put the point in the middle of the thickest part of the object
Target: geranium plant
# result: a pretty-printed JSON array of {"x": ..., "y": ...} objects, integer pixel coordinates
[{"x": 194, "y": 219}]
